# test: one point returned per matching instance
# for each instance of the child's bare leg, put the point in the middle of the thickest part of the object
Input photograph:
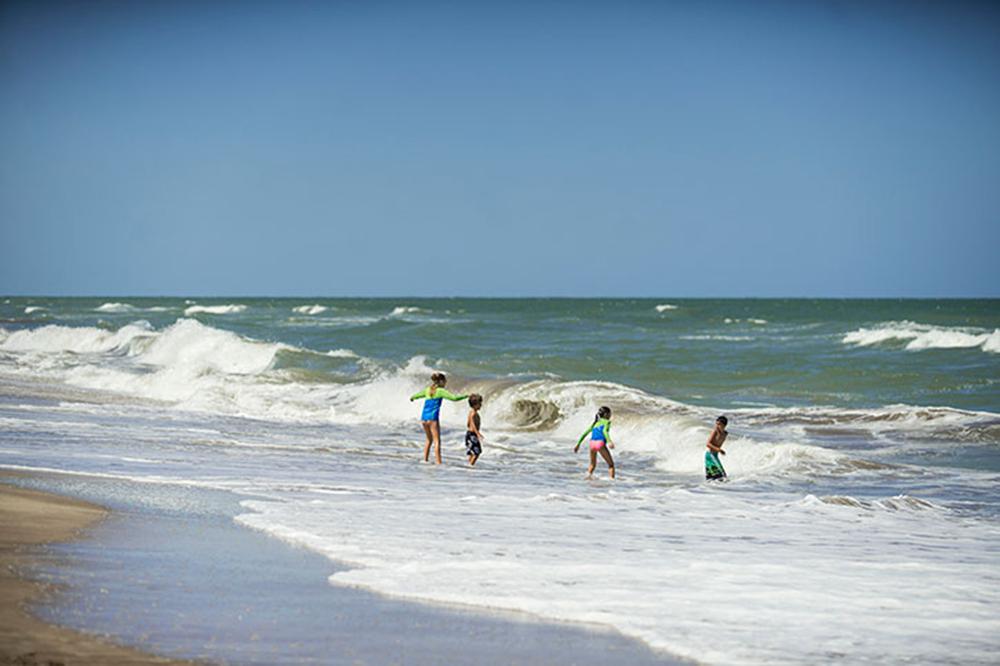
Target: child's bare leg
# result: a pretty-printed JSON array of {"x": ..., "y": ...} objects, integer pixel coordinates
[
  {"x": 436, "y": 430},
  {"x": 608, "y": 459},
  {"x": 430, "y": 437},
  {"x": 593, "y": 463},
  {"x": 473, "y": 458}
]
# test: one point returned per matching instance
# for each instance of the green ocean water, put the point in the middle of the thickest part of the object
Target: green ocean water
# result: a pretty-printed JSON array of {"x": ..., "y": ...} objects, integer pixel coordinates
[{"x": 723, "y": 353}]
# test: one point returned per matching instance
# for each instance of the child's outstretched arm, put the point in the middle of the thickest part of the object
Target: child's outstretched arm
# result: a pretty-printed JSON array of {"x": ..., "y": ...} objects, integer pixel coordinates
[
  {"x": 582, "y": 437},
  {"x": 448, "y": 395},
  {"x": 419, "y": 394}
]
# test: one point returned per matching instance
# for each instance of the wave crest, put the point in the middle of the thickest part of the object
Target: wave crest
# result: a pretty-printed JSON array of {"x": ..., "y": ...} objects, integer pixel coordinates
[
  {"x": 55, "y": 339},
  {"x": 919, "y": 337},
  {"x": 214, "y": 309},
  {"x": 405, "y": 309},
  {"x": 114, "y": 307},
  {"x": 310, "y": 309},
  {"x": 533, "y": 414}
]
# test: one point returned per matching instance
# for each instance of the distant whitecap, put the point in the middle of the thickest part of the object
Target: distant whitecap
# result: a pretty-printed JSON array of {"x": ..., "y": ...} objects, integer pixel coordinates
[{"x": 214, "y": 309}]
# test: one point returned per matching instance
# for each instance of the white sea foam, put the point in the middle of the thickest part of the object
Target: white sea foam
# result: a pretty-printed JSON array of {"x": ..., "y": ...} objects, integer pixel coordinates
[
  {"x": 33, "y": 308},
  {"x": 191, "y": 364},
  {"x": 115, "y": 307},
  {"x": 126, "y": 308},
  {"x": 214, "y": 309},
  {"x": 924, "y": 336},
  {"x": 878, "y": 579},
  {"x": 665, "y": 307},
  {"x": 57, "y": 339},
  {"x": 673, "y": 433},
  {"x": 992, "y": 342},
  {"x": 197, "y": 366},
  {"x": 310, "y": 309},
  {"x": 194, "y": 347},
  {"x": 670, "y": 566},
  {"x": 405, "y": 309}
]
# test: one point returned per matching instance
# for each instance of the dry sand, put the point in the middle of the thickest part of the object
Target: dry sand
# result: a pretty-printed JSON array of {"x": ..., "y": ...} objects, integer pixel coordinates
[{"x": 29, "y": 519}]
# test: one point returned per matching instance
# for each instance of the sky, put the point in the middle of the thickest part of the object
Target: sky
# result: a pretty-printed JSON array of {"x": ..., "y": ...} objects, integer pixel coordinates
[{"x": 366, "y": 148}]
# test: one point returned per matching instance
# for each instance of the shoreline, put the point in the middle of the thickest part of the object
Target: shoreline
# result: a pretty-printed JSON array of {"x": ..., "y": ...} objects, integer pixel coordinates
[
  {"x": 127, "y": 550},
  {"x": 29, "y": 521}
]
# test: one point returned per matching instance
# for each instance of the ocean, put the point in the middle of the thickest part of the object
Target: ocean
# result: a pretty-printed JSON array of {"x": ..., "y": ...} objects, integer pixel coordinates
[{"x": 860, "y": 521}]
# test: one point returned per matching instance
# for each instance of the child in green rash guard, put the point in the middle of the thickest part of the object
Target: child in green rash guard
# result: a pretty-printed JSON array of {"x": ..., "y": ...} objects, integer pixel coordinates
[
  {"x": 432, "y": 409},
  {"x": 713, "y": 466},
  {"x": 600, "y": 441}
]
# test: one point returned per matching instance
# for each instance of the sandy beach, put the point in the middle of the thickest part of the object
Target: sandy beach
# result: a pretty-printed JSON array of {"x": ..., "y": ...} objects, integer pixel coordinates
[{"x": 28, "y": 520}]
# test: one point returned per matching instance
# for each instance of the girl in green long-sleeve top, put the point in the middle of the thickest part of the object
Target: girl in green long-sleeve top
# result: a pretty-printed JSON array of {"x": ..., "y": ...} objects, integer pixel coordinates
[
  {"x": 432, "y": 409},
  {"x": 600, "y": 441}
]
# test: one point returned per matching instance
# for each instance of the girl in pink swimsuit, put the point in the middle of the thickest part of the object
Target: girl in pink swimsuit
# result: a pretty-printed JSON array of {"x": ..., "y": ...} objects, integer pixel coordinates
[{"x": 600, "y": 441}]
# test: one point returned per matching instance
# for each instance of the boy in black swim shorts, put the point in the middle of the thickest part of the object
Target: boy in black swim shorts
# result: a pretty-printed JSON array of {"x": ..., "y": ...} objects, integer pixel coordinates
[{"x": 473, "y": 438}]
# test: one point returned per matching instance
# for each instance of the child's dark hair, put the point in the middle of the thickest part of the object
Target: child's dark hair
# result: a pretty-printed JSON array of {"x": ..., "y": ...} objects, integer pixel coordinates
[
  {"x": 437, "y": 381},
  {"x": 723, "y": 420},
  {"x": 475, "y": 401},
  {"x": 602, "y": 413}
]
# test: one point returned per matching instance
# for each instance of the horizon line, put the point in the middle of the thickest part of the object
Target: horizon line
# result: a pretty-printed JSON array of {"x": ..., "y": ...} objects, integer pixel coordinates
[{"x": 508, "y": 297}]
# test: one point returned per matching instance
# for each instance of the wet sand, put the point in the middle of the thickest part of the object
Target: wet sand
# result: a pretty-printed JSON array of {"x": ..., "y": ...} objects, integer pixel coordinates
[{"x": 28, "y": 520}]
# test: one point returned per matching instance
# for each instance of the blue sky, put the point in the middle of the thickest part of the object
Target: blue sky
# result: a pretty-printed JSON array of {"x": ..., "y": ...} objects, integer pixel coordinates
[{"x": 500, "y": 149}]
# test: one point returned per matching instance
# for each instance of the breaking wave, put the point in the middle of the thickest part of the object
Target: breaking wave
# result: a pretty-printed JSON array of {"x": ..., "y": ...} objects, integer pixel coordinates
[
  {"x": 919, "y": 337},
  {"x": 214, "y": 309},
  {"x": 405, "y": 309},
  {"x": 56, "y": 339},
  {"x": 897, "y": 503},
  {"x": 310, "y": 309},
  {"x": 115, "y": 307},
  {"x": 196, "y": 366}
]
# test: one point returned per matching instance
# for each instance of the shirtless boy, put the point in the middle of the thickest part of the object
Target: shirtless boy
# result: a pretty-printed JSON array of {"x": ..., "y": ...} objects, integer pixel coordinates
[
  {"x": 473, "y": 438},
  {"x": 713, "y": 467}
]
